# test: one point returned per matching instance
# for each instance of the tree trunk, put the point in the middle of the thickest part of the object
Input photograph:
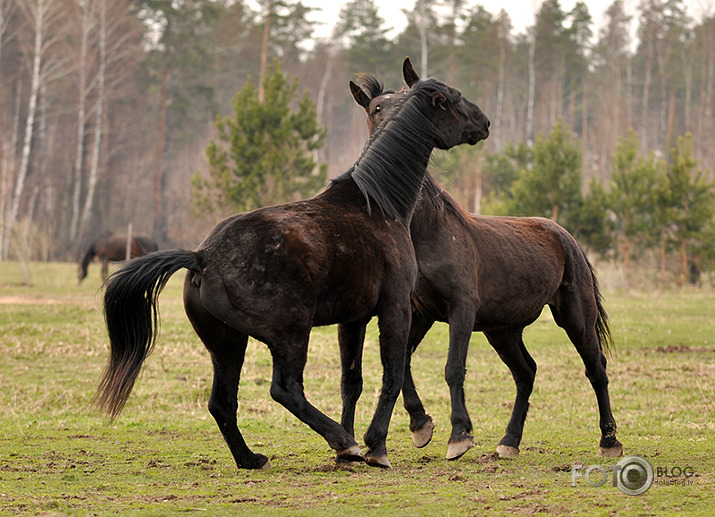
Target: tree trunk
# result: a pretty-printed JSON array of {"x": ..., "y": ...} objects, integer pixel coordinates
[
  {"x": 532, "y": 90},
  {"x": 81, "y": 114},
  {"x": 38, "y": 42},
  {"x": 99, "y": 124},
  {"x": 263, "y": 69}
]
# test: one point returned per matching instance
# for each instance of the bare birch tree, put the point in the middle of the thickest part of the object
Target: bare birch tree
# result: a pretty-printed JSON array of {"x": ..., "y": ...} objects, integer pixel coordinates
[
  {"x": 86, "y": 24},
  {"x": 43, "y": 17}
]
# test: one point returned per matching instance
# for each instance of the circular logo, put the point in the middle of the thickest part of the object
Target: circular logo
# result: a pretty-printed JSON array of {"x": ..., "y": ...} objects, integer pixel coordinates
[{"x": 634, "y": 475}]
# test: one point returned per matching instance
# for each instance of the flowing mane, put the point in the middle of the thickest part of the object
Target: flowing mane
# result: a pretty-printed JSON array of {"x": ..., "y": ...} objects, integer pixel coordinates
[{"x": 390, "y": 169}]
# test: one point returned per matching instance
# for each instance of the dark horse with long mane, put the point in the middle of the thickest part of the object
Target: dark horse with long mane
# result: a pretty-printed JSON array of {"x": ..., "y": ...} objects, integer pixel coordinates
[
  {"x": 274, "y": 273},
  {"x": 489, "y": 274},
  {"x": 113, "y": 248}
]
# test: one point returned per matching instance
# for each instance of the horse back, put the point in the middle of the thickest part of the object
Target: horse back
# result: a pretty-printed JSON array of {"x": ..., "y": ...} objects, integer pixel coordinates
[{"x": 319, "y": 260}]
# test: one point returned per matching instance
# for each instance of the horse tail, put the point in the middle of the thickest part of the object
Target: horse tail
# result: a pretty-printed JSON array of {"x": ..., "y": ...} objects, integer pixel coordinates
[
  {"x": 132, "y": 318},
  {"x": 603, "y": 327}
]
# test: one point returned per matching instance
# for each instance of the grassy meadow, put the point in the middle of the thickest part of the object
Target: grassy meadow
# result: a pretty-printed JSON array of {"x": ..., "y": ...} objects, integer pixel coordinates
[{"x": 164, "y": 455}]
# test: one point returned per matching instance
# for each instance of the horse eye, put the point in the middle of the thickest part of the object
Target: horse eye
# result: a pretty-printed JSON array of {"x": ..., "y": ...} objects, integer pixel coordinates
[{"x": 378, "y": 108}]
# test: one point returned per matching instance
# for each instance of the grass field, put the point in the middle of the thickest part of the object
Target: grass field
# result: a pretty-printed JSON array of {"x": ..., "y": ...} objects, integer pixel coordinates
[{"x": 165, "y": 456}]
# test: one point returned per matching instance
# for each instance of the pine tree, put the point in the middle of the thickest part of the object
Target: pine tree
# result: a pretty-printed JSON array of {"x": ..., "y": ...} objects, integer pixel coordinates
[
  {"x": 265, "y": 151},
  {"x": 690, "y": 201},
  {"x": 634, "y": 178},
  {"x": 552, "y": 186}
]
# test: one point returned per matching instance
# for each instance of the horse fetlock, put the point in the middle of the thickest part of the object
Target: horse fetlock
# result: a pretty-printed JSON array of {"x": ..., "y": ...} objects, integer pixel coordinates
[{"x": 422, "y": 436}]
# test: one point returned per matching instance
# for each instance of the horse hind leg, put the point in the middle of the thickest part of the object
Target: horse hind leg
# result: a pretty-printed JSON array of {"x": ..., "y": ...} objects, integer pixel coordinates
[
  {"x": 580, "y": 326},
  {"x": 105, "y": 269},
  {"x": 510, "y": 347},
  {"x": 228, "y": 350}
]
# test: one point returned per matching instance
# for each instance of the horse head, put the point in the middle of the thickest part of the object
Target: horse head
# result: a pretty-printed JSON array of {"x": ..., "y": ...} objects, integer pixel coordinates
[{"x": 378, "y": 103}]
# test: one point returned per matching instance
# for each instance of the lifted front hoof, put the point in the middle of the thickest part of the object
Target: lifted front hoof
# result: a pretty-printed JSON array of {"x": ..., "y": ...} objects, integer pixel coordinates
[
  {"x": 507, "y": 451},
  {"x": 378, "y": 461},
  {"x": 422, "y": 436},
  {"x": 350, "y": 455},
  {"x": 611, "y": 452},
  {"x": 457, "y": 449}
]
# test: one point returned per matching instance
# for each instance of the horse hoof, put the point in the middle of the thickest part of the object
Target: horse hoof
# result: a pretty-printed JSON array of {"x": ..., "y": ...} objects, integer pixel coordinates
[
  {"x": 456, "y": 450},
  {"x": 422, "y": 437},
  {"x": 378, "y": 461},
  {"x": 611, "y": 452},
  {"x": 350, "y": 455},
  {"x": 507, "y": 451},
  {"x": 266, "y": 465}
]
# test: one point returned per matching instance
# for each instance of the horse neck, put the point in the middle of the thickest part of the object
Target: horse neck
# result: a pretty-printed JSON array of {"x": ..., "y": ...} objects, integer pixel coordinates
[
  {"x": 393, "y": 164},
  {"x": 436, "y": 207}
]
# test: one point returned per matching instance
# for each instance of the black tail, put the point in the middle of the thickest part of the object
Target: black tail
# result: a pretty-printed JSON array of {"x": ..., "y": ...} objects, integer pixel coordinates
[
  {"x": 132, "y": 317},
  {"x": 602, "y": 326}
]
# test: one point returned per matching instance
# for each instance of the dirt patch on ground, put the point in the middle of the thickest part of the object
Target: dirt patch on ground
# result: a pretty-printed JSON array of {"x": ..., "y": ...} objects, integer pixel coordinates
[{"x": 30, "y": 300}]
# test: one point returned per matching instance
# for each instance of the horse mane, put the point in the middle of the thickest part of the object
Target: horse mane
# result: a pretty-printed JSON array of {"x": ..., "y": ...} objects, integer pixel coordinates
[
  {"x": 441, "y": 200},
  {"x": 391, "y": 166},
  {"x": 372, "y": 85}
]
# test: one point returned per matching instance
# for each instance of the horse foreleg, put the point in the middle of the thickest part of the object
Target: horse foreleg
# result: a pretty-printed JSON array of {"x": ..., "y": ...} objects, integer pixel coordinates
[
  {"x": 351, "y": 338},
  {"x": 421, "y": 424},
  {"x": 461, "y": 325},
  {"x": 513, "y": 353},
  {"x": 394, "y": 323},
  {"x": 289, "y": 360}
]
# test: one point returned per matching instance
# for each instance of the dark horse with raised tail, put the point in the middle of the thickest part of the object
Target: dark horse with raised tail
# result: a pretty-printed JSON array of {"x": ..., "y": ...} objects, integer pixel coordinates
[
  {"x": 113, "y": 248},
  {"x": 489, "y": 274},
  {"x": 274, "y": 273}
]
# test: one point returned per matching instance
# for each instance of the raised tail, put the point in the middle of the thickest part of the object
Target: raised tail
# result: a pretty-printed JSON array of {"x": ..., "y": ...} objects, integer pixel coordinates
[{"x": 132, "y": 318}]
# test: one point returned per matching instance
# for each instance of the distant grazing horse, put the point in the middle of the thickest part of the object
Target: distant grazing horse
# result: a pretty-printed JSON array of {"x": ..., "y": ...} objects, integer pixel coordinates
[
  {"x": 489, "y": 274},
  {"x": 276, "y": 272},
  {"x": 113, "y": 247}
]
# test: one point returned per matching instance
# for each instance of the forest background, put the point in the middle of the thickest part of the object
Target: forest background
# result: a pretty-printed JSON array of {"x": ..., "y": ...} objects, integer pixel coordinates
[{"x": 107, "y": 109}]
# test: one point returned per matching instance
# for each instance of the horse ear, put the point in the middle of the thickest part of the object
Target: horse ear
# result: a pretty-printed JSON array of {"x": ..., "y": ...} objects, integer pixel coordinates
[
  {"x": 359, "y": 95},
  {"x": 439, "y": 100},
  {"x": 408, "y": 73}
]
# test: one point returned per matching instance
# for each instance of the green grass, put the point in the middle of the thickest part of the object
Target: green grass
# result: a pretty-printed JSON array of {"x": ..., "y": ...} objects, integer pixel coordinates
[{"x": 165, "y": 456}]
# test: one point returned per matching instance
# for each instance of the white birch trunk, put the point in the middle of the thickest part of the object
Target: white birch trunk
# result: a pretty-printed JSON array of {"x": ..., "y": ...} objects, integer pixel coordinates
[
  {"x": 81, "y": 115},
  {"x": 532, "y": 90},
  {"x": 38, "y": 18},
  {"x": 99, "y": 124}
]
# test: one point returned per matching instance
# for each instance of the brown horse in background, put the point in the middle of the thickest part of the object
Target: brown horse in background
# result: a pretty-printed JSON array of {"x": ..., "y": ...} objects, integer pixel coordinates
[
  {"x": 489, "y": 274},
  {"x": 113, "y": 247}
]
